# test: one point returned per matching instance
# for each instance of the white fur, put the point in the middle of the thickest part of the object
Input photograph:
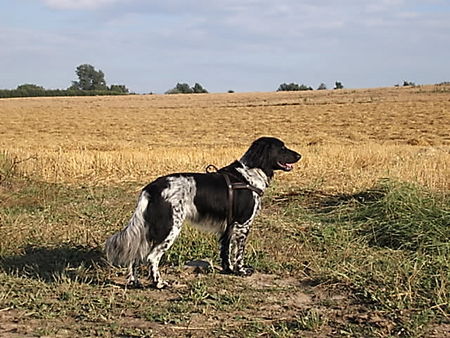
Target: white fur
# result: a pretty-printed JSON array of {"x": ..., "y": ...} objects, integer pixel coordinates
[
  {"x": 180, "y": 194},
  {"x": 130, "y": 244},
  {"x": 254, "y": 176}
]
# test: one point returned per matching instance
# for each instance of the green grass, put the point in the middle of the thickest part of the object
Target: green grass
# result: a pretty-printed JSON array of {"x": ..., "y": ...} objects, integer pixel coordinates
[
  {"x": 391, "y": 245},
  {"x": 370, "y": 264},
  {"x": 403, "y": 232},
  {"x": 388, "y": 244},
  {"x": 405, "y": 217}
]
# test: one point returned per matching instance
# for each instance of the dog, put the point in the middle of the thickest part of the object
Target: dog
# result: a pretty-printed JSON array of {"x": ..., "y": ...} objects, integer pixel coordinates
[{"x": 225, "y": 202}]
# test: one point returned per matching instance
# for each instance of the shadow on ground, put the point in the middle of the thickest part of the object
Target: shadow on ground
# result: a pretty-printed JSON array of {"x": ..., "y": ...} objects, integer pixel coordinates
[
  {"x": 49, "y": 264},
  {"x": 322, "y": 202}
]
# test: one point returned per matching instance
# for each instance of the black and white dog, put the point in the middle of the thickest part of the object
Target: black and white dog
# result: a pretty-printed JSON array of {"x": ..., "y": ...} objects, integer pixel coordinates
[{"x": 225, "y": 202}]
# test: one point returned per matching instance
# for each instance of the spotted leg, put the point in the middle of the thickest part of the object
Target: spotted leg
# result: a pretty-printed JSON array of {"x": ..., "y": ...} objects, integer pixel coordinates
[
  {"x": 240, "y": 235},
  {"x": 232, "y": 249},
  {"x": 155, "y": 256},
  {"x": 132, "y": 280},
  {"x": 225, "y": 246}
]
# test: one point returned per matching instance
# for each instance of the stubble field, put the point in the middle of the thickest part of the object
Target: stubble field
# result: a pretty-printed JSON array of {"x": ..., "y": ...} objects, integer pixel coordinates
[
  {"x": 375, "y": 165},
  {"x": 349, "y": 138}
]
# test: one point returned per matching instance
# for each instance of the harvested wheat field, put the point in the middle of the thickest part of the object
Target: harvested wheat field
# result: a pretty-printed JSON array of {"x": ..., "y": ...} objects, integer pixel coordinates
[
  {"x": 349, "y": 138},
  {"x": 352, "y": 242}
]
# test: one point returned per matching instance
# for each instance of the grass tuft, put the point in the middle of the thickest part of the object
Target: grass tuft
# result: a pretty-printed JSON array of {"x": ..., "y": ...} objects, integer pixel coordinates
[
  {"x": 390, "y": 245},
  {"x": 405, "y": 217}
]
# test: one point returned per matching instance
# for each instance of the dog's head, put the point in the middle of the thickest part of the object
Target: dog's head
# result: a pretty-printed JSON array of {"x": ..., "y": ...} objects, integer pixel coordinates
[{"x": 270, "y": 154}]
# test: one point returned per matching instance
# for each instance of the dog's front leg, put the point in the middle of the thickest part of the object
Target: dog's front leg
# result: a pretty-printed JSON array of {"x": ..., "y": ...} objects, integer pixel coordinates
[
  {"x": 233, "y": 248},
  {"x": 225, "y": 248},
  {"x": 241, "y": 234}
]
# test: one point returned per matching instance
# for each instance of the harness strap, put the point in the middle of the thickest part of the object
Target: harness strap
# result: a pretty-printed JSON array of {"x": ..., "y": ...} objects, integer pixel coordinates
[{"x": 231, "y": 187}]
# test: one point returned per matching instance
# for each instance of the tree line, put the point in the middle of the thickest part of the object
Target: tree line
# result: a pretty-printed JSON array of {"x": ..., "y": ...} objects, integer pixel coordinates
[
  {"x": 287, "y": 87},
  {"x": 31, "y": 90},
  {"x": 90, "y": 82}
]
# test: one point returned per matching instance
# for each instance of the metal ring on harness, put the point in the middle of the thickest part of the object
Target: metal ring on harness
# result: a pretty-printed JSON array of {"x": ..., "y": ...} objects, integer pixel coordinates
[{"x": 210, "y": 168}]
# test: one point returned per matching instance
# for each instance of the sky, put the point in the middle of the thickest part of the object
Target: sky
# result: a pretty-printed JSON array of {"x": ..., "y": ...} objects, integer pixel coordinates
[{"x": 239, "y": 45}]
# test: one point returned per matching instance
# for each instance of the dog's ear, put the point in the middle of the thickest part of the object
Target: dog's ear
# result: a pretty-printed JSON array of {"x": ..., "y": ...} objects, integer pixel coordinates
[{"x": 259, "y": 156}]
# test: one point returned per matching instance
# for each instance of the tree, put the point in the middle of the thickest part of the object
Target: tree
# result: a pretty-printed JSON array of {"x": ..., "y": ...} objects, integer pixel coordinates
[
  {"x": 89, "y": 79},
  {"x": 27, "y": 89},
  {"x": 198, "y": 89},
  {"x": 338, "y": 85},
  {"x": 29, "y": 86},
  {"x": 408, "y": 83},
  {"x": 119, "y": 89},
  {"x": 284, "y": 87},
  {"x": 322, "y": 86},
  {"x": 183, "y": 88}
]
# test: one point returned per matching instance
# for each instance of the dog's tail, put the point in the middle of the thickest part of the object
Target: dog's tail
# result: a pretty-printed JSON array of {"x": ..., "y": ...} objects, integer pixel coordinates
[{"x": 130, "y": 245}]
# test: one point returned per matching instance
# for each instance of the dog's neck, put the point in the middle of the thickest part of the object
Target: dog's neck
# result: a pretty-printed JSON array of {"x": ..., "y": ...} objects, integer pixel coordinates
[{"x": 254, "y": 176}]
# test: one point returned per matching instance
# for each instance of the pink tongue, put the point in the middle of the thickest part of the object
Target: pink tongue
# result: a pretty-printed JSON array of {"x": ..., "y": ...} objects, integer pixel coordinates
[{"x": 289, "y": 165}]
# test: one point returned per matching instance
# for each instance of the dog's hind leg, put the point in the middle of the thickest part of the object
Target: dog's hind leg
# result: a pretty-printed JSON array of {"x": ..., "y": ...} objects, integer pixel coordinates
[
  {"x": 132, "y": 280},
  {"x": 155, "y": 256},
  {"x": 166, "y": 220}
]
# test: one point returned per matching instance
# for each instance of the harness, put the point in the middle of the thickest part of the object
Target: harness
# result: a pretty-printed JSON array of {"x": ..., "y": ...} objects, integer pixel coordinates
[{"x": 231, "y": 187}]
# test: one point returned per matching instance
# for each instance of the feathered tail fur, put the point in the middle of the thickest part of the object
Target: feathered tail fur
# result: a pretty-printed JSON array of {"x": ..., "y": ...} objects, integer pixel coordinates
[{"x": 130, "y": 245}]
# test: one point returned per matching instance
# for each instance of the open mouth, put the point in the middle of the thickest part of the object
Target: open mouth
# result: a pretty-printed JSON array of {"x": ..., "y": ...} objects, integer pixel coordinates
[{"x": 286, "y": 166}]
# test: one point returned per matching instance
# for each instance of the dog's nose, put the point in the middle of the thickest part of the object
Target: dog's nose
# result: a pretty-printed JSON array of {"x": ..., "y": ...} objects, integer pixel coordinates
[{"x": 298, "y": 157}]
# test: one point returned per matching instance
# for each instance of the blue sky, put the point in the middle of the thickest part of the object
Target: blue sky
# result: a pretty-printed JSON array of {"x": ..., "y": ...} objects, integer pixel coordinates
[{"x": 241, "y": 45}]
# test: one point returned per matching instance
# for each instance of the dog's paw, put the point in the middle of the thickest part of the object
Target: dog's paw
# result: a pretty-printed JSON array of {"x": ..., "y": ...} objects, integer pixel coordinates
[
  {"x": 245, "y": 271},
  {"x": 161, "y": 284},
  {"x": 135, "y": 284},
  {"x": 227, "y": 271}
]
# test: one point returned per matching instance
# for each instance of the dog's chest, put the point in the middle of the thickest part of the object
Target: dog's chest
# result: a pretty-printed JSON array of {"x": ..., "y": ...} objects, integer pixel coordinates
[{"x": 255, "y": 176}]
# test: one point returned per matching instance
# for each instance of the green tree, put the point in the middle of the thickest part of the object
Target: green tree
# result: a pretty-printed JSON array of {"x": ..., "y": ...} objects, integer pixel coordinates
[
  {"x": 89, "y": 78},
  {"x": 284, "y": 87},
  {"x": 338, "y": 85},
  {"x": 29, "y": 86},
  {"x": 408, "y": 83},
  {"x": 322, "y": 86},
  {"x": 180, "y": 88},
  {"x": 198, "y": 89},
  {"x": 27, "y": 89},
  {"x": 119, "y": 89},
  {"x": 184, "y": 88}
]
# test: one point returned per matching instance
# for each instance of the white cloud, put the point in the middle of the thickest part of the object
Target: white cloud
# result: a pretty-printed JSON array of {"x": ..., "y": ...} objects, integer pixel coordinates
[{"x": 78, "y": 4}]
